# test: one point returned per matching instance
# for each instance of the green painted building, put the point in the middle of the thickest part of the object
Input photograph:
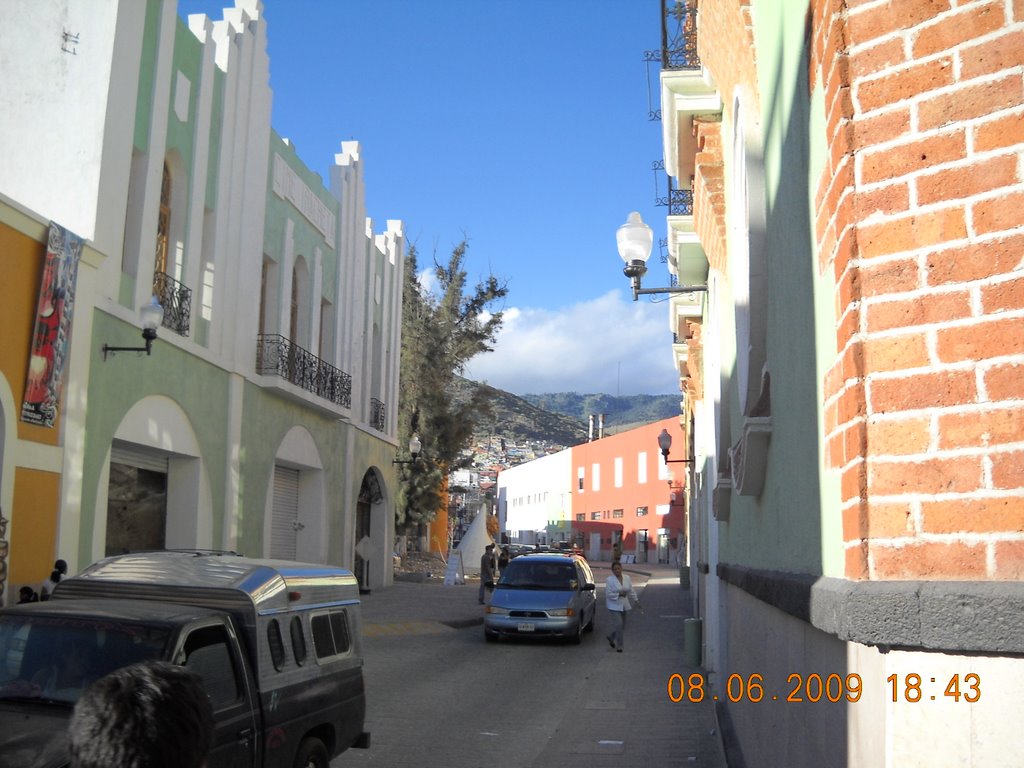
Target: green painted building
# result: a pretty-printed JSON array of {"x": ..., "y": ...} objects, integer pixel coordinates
[{"x": 263, "y": 417}]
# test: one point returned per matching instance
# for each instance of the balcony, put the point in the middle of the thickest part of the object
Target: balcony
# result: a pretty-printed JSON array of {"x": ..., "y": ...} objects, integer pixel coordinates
[
  {"x": 176, "y": 299},
  {"x": 686, "y": 94},
  {"x": 679, "y": 201},
  {"x": 377, "y": 414},
  {"x": 686, "y": 89},
  {"x": 278, "y": 356},
  {"x": 679, "y": 36}
]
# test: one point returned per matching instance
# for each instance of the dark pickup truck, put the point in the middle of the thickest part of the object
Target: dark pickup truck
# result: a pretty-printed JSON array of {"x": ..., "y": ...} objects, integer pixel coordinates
[{"x": 277, "y": 645}]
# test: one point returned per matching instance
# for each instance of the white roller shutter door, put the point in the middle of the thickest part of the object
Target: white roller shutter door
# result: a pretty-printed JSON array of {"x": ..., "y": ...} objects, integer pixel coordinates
[
  {"x": 285, "y": 519},
  {"x": 140, "y": 456}
]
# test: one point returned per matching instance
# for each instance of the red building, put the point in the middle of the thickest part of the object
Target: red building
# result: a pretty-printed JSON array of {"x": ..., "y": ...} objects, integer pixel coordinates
[{"x": 625, "y": 494}]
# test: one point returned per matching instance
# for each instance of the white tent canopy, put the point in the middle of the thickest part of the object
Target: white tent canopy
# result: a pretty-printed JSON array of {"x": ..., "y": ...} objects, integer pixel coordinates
[{"x": 474, "y": 543}]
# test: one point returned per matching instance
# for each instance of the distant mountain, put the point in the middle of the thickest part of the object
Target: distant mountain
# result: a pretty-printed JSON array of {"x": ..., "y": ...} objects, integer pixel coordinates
[
  {"x": 563, "y": 418},
  {"x": 619, "y": 411},
  {"x": 514, "y": 418}
]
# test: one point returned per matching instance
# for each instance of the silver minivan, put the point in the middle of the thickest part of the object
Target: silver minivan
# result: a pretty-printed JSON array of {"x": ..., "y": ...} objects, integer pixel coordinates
[{"x": 542, "y": 595}]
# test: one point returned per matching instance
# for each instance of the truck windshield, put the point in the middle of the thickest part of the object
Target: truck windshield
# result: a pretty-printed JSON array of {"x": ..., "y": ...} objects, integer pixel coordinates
[{"x": 56, "y": 658}]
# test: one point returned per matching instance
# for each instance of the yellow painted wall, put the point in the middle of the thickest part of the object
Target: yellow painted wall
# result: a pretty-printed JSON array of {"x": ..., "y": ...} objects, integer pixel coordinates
[
  {"x": 22, "y": 260},
  {"x": 32, "y": 532},
  {"x": 33, "y": 528}
]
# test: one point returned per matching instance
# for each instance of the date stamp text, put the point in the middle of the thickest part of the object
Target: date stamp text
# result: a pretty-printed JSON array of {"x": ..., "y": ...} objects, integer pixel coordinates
[{"x": 834, "y": 688}]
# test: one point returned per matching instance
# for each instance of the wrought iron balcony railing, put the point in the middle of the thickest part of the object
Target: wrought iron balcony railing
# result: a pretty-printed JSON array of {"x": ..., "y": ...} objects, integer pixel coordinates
[
  {"x": 679, "y": 201},
  {"x": 176, "y": 299},
  {"x": 277, "y": 355},
  {"x": 679, "y": 35},
  {"x": 376, "y": 414}
]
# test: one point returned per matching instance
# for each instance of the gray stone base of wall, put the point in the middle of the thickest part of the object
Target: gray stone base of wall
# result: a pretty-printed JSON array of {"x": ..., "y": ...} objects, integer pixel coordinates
[{"x": 951, "y": 616}]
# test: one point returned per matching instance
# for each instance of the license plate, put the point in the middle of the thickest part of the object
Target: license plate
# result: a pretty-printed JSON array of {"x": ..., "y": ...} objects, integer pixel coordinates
[{"x": 525, "y": 626}]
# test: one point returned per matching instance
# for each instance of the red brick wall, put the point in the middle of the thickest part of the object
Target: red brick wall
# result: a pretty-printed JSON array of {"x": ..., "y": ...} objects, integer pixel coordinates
[
  {"x": 709, "y": 192},
  {"x": 920, "y": 218},
  {"x": 725, "y": 44}
]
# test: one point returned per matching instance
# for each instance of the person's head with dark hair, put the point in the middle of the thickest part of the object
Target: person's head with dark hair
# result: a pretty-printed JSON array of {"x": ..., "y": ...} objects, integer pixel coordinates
[{"x": 148, "y": 715}]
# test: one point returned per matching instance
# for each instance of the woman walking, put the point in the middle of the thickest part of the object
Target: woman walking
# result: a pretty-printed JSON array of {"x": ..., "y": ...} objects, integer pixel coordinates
[{"x": 619, "y": 598}]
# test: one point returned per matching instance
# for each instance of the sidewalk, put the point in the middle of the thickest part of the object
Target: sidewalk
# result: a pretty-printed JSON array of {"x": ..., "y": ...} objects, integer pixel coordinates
[{"x": 627, "y": 697}]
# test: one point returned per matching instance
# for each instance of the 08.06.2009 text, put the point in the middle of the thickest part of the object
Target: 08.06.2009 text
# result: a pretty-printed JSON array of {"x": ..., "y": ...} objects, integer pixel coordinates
[{"x": 800, "y": 688}]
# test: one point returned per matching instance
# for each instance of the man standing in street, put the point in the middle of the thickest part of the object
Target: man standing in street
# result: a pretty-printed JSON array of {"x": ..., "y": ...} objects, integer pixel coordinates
[{"x": 488, "y": 571}]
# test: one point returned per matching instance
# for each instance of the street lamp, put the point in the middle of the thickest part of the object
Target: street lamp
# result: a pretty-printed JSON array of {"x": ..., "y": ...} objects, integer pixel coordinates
[
  {"x": 415, "y": 446},
  {"x": 152, "y": 317},
  {"x": 635, "y": 239},
  {"x": 665, "y": 444}
]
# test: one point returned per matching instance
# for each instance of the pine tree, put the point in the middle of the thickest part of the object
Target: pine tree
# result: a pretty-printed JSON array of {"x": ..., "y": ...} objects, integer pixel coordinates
[{"x": 441, "y": 333}]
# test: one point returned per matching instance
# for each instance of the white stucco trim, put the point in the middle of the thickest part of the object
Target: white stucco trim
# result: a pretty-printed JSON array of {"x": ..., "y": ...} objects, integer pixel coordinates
[{"x": 8, "y": 443}]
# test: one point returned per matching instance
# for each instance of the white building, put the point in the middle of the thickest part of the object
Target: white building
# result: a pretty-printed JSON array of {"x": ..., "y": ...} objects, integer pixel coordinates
[{"x": 533, "y": 495}]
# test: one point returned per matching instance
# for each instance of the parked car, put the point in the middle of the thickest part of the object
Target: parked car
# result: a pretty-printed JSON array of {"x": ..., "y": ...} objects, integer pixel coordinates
[
  {"x": 542, "y": 595},
  {"x": 515, "y": 550},
  {"x": 277, "y": 645},
  {"x": 569, "y": 548}
]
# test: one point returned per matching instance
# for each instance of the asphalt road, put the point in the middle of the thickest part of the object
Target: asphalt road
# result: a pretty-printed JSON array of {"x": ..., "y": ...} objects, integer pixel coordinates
[
  {"x": 451, "y": 700},
  {"x": 442, "y": 697}
]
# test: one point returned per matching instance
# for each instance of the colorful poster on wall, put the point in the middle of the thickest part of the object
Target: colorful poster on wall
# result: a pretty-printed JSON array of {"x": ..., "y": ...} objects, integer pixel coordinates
[{"x": 52, "y": 327}]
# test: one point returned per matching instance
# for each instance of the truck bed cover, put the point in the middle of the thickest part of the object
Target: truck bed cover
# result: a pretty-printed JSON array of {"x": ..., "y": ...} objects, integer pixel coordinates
[{"x": 215, "y": 580}]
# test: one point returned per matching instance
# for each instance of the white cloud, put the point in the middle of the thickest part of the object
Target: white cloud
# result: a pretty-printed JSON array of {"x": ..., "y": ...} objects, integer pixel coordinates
[
  {"x": 427, "y": 280},
  {"x": 607, "y": 345}
]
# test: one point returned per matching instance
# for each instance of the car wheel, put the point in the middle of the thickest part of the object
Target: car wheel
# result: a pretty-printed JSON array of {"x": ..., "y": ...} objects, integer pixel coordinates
[
  {"x": 590, "y": 624},
  {"x": 490, "y": 637},
  {"x": 312, "y": 754},
  {"x": 577, "y": 636}
]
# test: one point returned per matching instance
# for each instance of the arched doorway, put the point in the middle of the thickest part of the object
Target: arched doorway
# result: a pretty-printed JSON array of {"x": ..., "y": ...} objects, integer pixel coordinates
[
  {"x": 370, "y": 498},
  {"x": 136, "y": 499},
  {"x": 295, "y": 523},
  {"x": 153, "y": 491}
]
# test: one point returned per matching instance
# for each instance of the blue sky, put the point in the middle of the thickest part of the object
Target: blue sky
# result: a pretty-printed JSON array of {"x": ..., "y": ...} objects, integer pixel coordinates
[{"x": 521, "y": 126}]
